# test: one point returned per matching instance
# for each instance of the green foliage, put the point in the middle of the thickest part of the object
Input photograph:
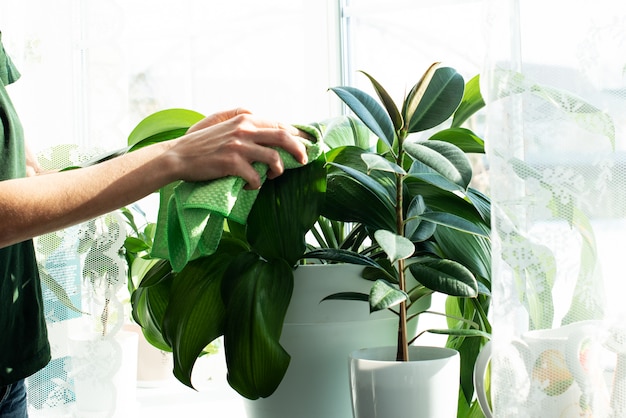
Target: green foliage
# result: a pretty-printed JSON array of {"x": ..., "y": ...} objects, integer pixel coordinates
[
  {"x": 428, "y": 228},
  {"x": 242, "y": 291},
  {"x": 410, "y": 208}
]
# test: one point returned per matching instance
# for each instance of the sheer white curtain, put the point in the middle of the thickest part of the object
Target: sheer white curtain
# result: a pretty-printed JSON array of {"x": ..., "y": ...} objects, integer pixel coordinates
[{"x": 555, "y": 86}]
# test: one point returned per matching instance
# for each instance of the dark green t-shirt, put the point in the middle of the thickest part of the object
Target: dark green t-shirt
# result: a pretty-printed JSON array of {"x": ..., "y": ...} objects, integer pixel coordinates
[{"x": 24, "y": 347}]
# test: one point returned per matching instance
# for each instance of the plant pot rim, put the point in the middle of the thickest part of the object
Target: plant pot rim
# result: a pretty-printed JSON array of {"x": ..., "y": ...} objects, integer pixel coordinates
[{"x": 386, "y": 354}]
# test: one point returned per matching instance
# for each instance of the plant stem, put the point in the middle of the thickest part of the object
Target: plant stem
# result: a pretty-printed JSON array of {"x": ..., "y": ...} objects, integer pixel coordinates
[{"x": 403, "y": 347}]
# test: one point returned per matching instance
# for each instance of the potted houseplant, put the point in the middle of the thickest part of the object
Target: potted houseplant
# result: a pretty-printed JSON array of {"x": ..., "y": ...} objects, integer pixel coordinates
[
  {"x": 413, "y": 198},
  {"x": 192, "y": 306},
  {"x": 243, "y": 290}
]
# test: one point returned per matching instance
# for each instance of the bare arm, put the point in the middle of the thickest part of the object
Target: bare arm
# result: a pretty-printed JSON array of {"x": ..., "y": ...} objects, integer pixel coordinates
[{"x": 222, "y": 144}]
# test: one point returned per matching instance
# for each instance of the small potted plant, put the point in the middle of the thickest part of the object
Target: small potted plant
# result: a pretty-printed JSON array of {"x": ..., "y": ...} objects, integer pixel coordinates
[{"x": 429, "y": 231}]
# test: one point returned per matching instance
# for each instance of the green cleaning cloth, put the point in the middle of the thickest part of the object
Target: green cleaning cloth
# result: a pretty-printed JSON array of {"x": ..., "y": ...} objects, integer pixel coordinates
[{"x": 192, "y": 214}]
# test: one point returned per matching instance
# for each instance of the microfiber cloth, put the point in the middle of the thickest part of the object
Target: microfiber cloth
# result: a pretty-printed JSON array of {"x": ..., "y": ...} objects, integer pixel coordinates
[{"x": 192, "y": 214}]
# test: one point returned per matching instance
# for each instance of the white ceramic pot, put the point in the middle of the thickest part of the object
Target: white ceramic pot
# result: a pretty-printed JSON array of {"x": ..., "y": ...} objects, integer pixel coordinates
[
  {"x": 319, "y": 336},
  {"x": 425, "y": 386}
]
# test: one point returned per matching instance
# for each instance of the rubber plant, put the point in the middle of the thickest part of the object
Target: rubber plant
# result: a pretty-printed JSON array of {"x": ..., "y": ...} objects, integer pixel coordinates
[{"x": 429, "y": 229}]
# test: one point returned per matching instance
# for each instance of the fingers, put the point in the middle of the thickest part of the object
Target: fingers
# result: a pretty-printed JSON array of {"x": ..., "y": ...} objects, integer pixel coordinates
[
  {"x": 216, "y": 118},
  {"x": 230, "y": 142}
]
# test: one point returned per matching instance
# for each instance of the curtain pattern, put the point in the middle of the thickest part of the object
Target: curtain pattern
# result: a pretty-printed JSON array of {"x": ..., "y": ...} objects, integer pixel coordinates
[{"x": 555, "y": 88}]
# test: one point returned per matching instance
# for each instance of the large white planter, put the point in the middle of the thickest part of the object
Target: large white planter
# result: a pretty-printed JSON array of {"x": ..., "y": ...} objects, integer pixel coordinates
[
  {"x": 425, "y": 386},
  {"x": 319, "y": 336}
]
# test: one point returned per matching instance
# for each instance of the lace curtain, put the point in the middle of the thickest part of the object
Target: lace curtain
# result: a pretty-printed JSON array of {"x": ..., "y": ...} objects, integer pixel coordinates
[
  {"x": 94, "y": 360},
  {"x": 555, "y": 87}
]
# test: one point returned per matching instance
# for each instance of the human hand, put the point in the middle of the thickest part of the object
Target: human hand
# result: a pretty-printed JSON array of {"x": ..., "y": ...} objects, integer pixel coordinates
[{"x": 227, "y": 143}]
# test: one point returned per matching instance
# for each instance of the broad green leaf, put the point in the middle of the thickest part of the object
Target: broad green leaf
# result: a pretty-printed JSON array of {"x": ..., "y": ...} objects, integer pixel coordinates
[
  {"x": 395, "y": 246},
  {"x": 345, "y": 131},
  {"x": 342, "y": 256},
  {"x": 171, "y": 121},
  {"x": 471, "y": 250},
  {"x": 471, "y": 103},
  {"x": 196, "y": 314},
  {"x": 482, "y": 203},
  {"x": 466, "y": 332},
  {"x": 140, "y": 268},
  {"x": 416, "y": 94},
  {"x": 415, "y": 227},
  {"x": 463, "y": 138},
  {"x": 353, "y": 296},
  {"x": 257, "y": 295},
  {"x": 443, "y": 158},
  {"x": 160, "y": 137},
  {"x": 423, "y": 173},
  {"x": 384, "y": 295},
  {"x": 369, "y": 111},
  {"x": 455, "y": 222},
  {"x": 285, "y": 209},
  {"x": 378, "y": 162},
  {"x": 370, "y": 182},
  {"x": 445, "y": 276},
  {"x": 442, "y": 96},
  {"x": 353, "y": 196},
  {"x": 150, "y": 300},
  {"x": 385, "y": 98},
  {"x": 135, "y": 245},
  {"x": 348, "y": 200}
]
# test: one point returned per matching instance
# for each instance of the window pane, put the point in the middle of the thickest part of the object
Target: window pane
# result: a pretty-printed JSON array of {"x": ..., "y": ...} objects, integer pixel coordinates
[{"x": 93, "y": 68}]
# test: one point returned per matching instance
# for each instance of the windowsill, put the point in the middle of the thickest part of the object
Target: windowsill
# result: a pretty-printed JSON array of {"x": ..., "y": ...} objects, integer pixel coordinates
[
  {"x": 212, "y": 395},
  {"x": 173, "y": 399}
]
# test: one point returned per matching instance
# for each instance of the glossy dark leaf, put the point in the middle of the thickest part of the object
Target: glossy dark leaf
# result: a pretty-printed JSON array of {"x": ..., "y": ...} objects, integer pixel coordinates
[
  {"x": 369, "y": 111},
  {"x": 384, "y": 295},
  {"x": 345, "y": 131},
  {"x": 196, "y": 314},
  {"x": 163, "y": 125},
  {"x": 385, "y": 98},
  {"x": 359, "y": 297},
  {"x": 395, "y": 246},
  {"x": 463, "y": 138},
  {"x": 439, "y": 101},
  {"x": 285, "y": 209},
  {"x": 150, "y": 300},
  {"x": 444, "y": 159},
  {"x": 342, "y": 256},
  {"x": 257, "y": 295},
  {"x": 471, "y": 250},
  {"x": 352, "y": 196},
  {"x": 445, "y": 276},
  {"x": 466, "y": 332},
  {"x": 455, "y": 222},
  {"x": 471, "y": 103},
  {"x": 416, "y": 228}
]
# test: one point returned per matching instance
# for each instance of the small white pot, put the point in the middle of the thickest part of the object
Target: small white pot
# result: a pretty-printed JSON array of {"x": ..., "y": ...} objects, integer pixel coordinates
[{"x": 425, "y": 386}]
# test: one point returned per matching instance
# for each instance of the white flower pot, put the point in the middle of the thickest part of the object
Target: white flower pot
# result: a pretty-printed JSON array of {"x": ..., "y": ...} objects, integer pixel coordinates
[
  {"x": 319, "y": 336},
  {"x": 425, "y": 386}
]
